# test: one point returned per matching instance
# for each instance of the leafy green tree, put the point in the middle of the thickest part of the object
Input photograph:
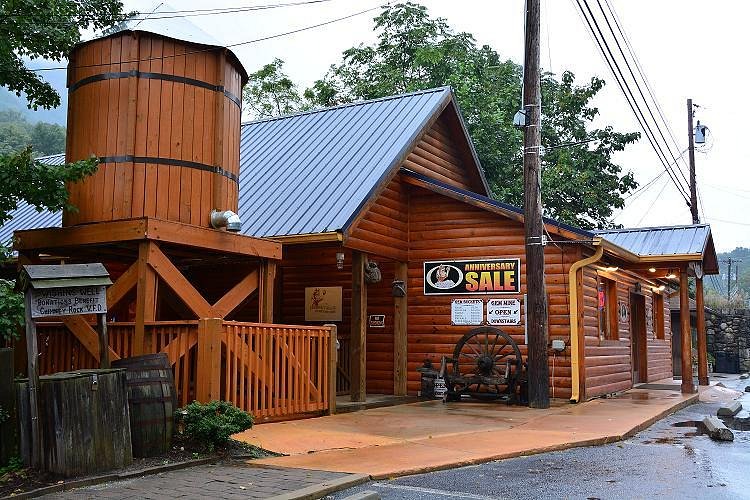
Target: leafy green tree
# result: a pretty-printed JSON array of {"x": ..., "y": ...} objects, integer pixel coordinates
[
  {"x": 414, "y": 52},
  {"x": 48, "y": 138},
  {"x": 270, "y": 92}
]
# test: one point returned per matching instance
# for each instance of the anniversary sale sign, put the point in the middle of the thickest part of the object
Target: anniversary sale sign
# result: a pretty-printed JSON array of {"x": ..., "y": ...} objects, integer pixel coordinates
[{"x": 472, "y": 277}]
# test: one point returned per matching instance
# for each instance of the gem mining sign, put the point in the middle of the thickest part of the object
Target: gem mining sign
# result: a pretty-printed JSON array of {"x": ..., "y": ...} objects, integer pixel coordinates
[{"x": 68, "y": 301}]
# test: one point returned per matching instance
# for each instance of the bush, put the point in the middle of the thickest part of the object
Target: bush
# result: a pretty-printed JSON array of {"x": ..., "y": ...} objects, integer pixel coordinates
[{"x": 213, "y": 423}]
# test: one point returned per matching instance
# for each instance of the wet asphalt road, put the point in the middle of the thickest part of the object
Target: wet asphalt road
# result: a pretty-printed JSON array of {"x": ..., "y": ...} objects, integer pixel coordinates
[{"x": 671, "y": 459}]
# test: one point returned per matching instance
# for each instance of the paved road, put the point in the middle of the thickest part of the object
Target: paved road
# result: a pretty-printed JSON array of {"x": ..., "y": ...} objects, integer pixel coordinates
[{"x": 671, "y": 459}]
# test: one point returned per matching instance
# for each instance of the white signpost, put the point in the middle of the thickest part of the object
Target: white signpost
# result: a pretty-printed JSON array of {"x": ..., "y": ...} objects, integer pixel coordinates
[
  {"x": 503, "y": 312},
  {"x": 467, "y": 311}
]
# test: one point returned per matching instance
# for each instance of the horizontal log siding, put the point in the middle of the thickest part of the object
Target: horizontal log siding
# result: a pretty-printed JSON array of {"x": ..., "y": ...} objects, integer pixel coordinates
[
  {"x": 383, "y": 228},
  {"x": 439, "y": 156},
  {"x": 440, "y": 229},
  {"x": 609, "y": 362}
]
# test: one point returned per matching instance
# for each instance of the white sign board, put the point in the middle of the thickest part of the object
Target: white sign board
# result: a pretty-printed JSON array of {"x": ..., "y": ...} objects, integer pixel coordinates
[
  {"x": 68, "y": 301},
  {"x": 467, "y": 311},
  {"x": 503, "y": 312}
]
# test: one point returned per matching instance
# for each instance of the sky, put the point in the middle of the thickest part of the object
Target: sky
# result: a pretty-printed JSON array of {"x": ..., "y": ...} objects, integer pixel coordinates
[{"x": 686, "y": 48}]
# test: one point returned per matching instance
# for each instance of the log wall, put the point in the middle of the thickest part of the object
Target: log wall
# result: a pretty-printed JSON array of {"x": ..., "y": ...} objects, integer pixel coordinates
[{"x": 608, "y": 362}]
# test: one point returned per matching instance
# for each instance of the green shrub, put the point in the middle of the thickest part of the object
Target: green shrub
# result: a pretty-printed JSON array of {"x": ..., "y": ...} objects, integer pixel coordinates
[{"x": 213, "y": 423}]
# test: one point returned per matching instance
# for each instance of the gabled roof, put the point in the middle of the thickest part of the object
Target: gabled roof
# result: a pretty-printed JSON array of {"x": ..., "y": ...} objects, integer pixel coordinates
[
  {"x": 311, "y": 172},
  {"x": 668, "y": 242}
]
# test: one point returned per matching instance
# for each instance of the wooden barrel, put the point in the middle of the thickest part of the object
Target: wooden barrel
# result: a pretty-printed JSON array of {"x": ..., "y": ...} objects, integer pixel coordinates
[
  {"x": 152, "y": 400},
  {"x": 163, "y": 116}
]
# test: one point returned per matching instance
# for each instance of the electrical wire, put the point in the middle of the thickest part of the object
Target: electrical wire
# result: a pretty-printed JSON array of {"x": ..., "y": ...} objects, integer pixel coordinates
[
  {"x": 238, "y": 44},
  {"x": 140, "y": 16},
  {"x": 598, "y": 37},
  {"x": 645, "y": 80}
]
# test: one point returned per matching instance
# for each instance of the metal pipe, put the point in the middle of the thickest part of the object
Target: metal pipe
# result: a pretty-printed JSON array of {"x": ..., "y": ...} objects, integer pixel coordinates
[
  {"x": 227, "y": 219},
  {"x": 575, "y": 395}
]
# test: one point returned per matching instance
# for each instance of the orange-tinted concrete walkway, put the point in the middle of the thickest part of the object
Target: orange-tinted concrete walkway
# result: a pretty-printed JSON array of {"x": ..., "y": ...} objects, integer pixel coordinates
[{"x": 420, "y": 437}]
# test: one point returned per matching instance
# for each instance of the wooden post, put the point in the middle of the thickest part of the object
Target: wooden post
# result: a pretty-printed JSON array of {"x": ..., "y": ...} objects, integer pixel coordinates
[
  {"x": 538, "y": 372},
  {"x": 9, "y": 428},
  {"x": 400, "y": 344},
  {"x": 145, "y": 303},
  {"x": 686, "y": 337},
  {"x": 333, "y": 354},
  {"x": 101, "y": 328},
  {"x": 265, "y": 299},
  {"x": 358, "y": 336},
  {"x": 208, "y": 380},
  {"x": 32, "y": 350},
  {"x": 701, "y": 327}
]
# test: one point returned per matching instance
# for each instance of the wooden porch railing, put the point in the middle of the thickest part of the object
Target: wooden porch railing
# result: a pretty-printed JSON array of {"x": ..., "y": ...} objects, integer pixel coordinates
[{"x": 273, "y": 371}]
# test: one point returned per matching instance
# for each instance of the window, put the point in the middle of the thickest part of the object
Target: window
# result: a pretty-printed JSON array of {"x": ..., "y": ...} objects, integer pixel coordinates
[
  {"x": 658, "y": 310},
  {"x": 607, "y": 298}
]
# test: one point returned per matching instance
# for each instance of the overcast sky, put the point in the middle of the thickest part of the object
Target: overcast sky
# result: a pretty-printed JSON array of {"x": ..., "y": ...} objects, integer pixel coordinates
[{"x": 687, "y": 49}]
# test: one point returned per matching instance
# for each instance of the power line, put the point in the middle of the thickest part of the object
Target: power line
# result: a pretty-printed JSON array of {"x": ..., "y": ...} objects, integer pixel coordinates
[
  {"x": 247, "y": 42},
  {"x": 601, "y": 41},
  {"x": 638, "y": 66},
  {"x": 140, "y": 16}
]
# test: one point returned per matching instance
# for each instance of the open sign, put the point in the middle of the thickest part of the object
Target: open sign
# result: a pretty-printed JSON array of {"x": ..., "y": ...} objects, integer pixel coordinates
[{"x": 503, "y": 312}]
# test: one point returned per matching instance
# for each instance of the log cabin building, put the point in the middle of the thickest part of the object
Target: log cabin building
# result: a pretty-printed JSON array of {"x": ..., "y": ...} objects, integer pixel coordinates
[{"x": 332, "y": 198}]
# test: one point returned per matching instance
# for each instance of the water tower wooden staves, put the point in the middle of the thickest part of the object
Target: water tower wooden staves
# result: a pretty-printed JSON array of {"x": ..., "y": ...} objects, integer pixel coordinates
[{"x": 163, "y": 116}]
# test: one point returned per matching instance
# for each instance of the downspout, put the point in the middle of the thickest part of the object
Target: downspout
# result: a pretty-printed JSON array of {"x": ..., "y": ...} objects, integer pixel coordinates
[{"x": 575, "y": 384}]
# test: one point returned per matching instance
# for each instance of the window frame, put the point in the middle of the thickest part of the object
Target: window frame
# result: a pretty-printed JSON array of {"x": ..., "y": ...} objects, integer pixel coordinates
[
  {"x": 610, "y": 331},
  {"x": 657, "y": 306}
]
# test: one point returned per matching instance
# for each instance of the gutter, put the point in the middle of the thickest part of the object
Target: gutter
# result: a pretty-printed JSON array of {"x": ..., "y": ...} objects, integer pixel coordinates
[{"x": 575, "y": 384}]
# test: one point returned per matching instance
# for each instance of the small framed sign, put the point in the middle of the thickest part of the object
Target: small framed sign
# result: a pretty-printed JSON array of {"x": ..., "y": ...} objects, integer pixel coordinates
[
  {"x": 376, "y": 321},
  {"x": 503, "y": 312},
  {"x": 323, "y": 303},
  {"x": 467, "y": 311}
]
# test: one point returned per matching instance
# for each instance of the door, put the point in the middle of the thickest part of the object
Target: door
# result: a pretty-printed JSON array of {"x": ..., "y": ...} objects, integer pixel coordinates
[{"x": 638, "y": 339}]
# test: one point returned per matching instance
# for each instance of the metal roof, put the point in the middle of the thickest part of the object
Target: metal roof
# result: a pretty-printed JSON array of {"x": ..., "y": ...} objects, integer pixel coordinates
[
  {"x": 27, "y": 216},
  {"x": 660, "y": 241},
  {"x": 311, "y": 172}
]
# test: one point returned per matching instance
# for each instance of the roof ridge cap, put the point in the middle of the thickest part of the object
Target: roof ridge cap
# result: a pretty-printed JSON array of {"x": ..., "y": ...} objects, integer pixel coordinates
[{"x": 349, "y": 104}]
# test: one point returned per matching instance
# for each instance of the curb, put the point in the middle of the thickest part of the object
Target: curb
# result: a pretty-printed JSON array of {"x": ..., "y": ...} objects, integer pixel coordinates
[
  {"x": 106, "y": 478},
  {"x": 321, "y": 489}
]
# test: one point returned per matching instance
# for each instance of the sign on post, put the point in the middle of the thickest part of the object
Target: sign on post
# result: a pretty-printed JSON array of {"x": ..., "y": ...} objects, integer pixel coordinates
[
  {"x": 472, "y": 277},
  {"x": 68, "y": 301}
]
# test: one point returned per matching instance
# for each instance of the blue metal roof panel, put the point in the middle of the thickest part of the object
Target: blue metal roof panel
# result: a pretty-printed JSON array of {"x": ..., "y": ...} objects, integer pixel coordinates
[
  {"x": 310, "y": 172},
  {"x": 670, "y": 240},
  {"x": 26, "y": 216}
]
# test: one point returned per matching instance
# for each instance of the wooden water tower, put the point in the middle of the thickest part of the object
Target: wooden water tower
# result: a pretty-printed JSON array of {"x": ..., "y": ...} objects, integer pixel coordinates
[{"x": 163, "y": 115}]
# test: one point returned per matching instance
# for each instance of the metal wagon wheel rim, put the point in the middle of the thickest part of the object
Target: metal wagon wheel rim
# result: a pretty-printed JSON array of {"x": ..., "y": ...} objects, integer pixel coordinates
[{"x": 487, "y": 351}]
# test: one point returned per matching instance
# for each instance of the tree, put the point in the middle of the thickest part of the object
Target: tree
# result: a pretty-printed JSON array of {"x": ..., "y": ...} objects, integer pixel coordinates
[
  {"x": 414, "y": 52},
  {"x": 16, "y": 133},
  {"x": 48, "y": 138},
  {"x": 270, "y": 92}
]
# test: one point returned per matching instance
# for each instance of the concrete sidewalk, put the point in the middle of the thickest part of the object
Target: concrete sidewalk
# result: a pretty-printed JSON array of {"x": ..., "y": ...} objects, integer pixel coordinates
[{"x": 426, "y": 436}]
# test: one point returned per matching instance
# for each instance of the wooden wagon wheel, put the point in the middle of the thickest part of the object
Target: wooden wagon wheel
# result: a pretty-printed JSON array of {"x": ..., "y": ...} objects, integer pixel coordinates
[{"x": 483, "y": 355}]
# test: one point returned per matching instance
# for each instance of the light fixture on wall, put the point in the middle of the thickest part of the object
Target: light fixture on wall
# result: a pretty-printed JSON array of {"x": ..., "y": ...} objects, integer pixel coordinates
[
  {"x": 652, "y": 269},
  {"x": 398, "y": 288},
  {"x": 637, "y": 288},
  {"x": 339, "y": 260}
]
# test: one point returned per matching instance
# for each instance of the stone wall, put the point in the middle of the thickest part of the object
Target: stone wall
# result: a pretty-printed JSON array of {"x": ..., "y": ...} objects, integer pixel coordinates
[{"x": 728, "y": 339}]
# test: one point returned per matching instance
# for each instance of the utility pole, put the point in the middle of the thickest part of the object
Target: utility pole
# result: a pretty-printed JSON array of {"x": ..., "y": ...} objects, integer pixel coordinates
[
  {"x": 729, "y": 261},
  {"x": 532, "y": 209},
  {"x": 691, "y": 155}
]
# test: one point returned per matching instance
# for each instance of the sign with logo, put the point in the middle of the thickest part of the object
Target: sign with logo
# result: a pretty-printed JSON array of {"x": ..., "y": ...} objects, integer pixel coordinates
[
  {"x": 323, "y": 303},
  {"x": 472, "y": 277},
  {"x": 376, "y": 321},
  {"x": 68, "y": 301},
  {"x": 503, "y": 312},
  {"x": 467, "y": 311}
]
